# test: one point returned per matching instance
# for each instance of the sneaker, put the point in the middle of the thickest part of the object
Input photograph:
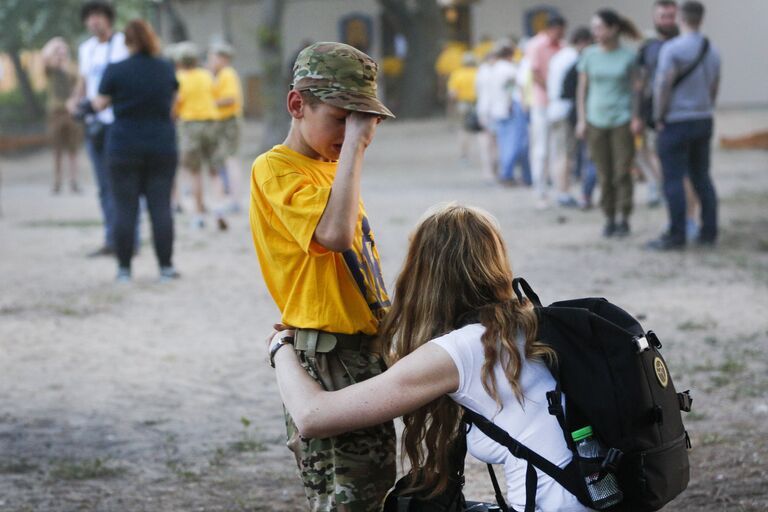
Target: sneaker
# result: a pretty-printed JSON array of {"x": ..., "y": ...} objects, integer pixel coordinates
[
  {"x": 221, "y": 222},
  {"x": 705, "y": 243},
  {"x": 567, "y": 202},
  {"x": 665, "y": 243},
  {"x": 622, "y": 229},
  {"x": 691, "y": 229},
  {"x": 102, "y": 251},
  {"x": 123, "y": 275},
  {"x": 609, "y": 229},
  {"x": 168, "y": 274},
  {"x": 75, "y": 188},
  {"x": 198, "y": 222}
]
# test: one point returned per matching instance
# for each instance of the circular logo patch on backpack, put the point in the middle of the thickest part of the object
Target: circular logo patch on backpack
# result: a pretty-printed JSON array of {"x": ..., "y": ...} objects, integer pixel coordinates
[{"x": 661, "y": 371}]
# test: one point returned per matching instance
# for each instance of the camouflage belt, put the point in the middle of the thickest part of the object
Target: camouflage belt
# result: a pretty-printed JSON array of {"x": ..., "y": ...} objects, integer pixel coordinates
[{"x": 313, "y": 341}]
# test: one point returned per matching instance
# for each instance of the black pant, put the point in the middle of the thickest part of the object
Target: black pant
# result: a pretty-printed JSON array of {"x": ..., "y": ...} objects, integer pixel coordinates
[{"x": 149, "y": 175}]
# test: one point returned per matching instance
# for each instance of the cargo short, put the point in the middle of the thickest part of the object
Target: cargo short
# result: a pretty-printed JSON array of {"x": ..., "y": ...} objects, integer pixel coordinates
[
  {"x": 351, "y": 472},
  {"x": 198, "y": 145},
  {"x": 229, "y": 137}
]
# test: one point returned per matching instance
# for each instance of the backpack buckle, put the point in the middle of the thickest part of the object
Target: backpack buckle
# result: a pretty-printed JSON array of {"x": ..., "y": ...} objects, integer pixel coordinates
[
  {"x": 554, "y": 399},
  {"x": 611, "y": 461},
  {"x": 684, "y": 400},
  {"x": 642, "y": 344}
]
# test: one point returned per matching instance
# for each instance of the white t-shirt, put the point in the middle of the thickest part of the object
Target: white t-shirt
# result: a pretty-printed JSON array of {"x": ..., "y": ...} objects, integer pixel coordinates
[
  {"x": 501, "y": 85},
  {"x": 532, "y": 425},
  {"x": 93, "y": 57},
  {"x": 482, "y": 88},
  {"x": 557, "y": 107}
]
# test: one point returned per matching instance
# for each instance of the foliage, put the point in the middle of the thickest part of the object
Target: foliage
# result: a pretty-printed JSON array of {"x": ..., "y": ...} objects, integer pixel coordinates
[{"x": 13, "y": 107}]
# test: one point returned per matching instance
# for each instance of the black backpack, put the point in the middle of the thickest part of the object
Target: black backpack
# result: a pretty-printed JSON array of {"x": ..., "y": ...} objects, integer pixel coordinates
[{"x": 616, "y": 381}]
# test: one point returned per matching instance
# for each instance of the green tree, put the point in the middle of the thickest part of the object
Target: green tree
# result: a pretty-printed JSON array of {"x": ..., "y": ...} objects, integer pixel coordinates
[{"x": 29, "y": 24}]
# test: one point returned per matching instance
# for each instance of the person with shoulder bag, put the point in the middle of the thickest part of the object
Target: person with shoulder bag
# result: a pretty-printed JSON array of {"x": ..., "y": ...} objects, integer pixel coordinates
[{"x": 105, "y": 47}]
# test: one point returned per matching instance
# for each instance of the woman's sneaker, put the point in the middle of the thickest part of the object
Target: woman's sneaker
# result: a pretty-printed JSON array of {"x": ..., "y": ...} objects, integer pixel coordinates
[
  {"x": 123, "y": 275},
  {"x": 168, "y": 274}
]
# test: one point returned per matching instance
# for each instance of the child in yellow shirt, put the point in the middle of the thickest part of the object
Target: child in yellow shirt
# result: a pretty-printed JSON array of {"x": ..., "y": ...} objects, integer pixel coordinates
[{"x": 319, "y": 260}]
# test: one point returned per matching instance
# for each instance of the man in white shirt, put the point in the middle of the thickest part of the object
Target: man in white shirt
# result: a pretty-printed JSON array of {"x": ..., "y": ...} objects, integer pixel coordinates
[
  {"x": 104, "y": 48},
  {"x": 563, "y": 148}
]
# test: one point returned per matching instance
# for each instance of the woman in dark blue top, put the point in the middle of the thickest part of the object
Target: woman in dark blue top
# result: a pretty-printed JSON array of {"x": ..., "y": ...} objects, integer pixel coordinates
[{"x": 141, "y": 146}]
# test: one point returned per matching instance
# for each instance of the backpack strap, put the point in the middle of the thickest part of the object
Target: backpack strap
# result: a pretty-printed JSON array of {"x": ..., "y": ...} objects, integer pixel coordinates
[
  {"x": 500, "y": 501},
  {"x": 518, "y": 283},
  {"x": 700, "y": 57},
  {"x": 568, "y": 480}
]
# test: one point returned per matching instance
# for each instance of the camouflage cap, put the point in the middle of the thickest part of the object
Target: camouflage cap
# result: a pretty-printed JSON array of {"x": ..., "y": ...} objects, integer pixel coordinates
[{"x": 339, "y": 75}]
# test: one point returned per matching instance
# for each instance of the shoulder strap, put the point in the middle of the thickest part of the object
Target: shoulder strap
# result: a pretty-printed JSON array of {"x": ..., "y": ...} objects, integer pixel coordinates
[
  {"x": 521, "y": 451},
  {"x": 518, "y": 283},
  {"x": 700, "y": 57}
]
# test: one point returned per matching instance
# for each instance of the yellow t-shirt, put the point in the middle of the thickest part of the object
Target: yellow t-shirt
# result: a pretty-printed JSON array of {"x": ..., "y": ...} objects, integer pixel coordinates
[
  {"x": 450, "y": 58},
  {"x": 194, "y": 101},
  {"x": 461, "y": 84},
  {"x": 314, "y": 288},
  {"x": 227, "y": 85}
]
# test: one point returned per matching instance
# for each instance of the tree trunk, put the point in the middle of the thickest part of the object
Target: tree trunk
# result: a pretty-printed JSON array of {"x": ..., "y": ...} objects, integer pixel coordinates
[
  {"x": 33, "y": 108},
  {"x": 274, "y": 80},
  {"x": 179, "y": 30},
  {"x": 423, "y": 28}
]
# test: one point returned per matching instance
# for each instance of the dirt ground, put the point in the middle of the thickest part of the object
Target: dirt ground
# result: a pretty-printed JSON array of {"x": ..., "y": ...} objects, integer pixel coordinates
[{"x": 157, "y": 397}]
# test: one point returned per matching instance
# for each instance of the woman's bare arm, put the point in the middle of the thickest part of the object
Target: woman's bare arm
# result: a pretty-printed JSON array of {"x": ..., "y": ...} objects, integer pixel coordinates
[{"x": 412, "y": 382}]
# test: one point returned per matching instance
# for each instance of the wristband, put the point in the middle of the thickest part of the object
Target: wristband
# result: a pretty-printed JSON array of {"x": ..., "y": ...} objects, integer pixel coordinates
[{"x": 276, "y": 344}]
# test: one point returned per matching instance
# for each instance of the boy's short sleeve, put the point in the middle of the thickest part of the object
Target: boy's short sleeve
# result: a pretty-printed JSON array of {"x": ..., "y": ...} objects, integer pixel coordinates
[{"x": 297, "y": 203}]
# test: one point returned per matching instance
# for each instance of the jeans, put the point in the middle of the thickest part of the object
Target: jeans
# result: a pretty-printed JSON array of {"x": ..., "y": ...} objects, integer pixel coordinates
[
  {"x": 684, "y": 149},
  {"x": 98, "y": 155},
  {"x": 585, "y": 170},
  {"x": 512, "y": 143},
  {"x": 150, "y": 175}
]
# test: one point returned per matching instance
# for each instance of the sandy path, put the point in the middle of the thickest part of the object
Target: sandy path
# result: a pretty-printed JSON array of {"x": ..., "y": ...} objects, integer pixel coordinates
[{"x": 157, "y": 397}]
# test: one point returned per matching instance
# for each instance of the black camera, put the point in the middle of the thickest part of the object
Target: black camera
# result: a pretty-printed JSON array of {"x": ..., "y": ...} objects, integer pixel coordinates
[{"x": 84, "y": 109}]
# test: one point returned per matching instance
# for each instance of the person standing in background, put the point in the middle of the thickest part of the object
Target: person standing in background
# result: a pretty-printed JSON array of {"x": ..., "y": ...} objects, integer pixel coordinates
[
  {"x": 461, "y": 92},
  {"x": 684, "y": 94},
  {"x": 607, "y": 73},
  {"x": 196, "y": 111},
  {"x": 228, "y": 95},
  {"x": 563, "y": 145},
  {"x": 539, "y": 51},
  {"x": 104, "y": 47},
  {"x": 486, "y": 138},
  {"x": 64, "y": 132},
  {"x": 665, "y": 24}
]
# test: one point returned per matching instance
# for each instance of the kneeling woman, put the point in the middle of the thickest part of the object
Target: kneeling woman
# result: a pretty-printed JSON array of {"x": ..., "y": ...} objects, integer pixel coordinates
[{"x": 458, "y": 336}]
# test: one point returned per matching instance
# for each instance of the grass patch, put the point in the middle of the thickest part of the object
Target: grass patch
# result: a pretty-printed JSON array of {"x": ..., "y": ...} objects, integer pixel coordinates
[
  {"x": 695, "y": 416},
  {"x": 63, "y": 223},
  {"x": 87, "y": 469},
  {"x": 248, "y": 441},
  {"x": 697, "y": 325},
  {"x": 16, "y": 467}
]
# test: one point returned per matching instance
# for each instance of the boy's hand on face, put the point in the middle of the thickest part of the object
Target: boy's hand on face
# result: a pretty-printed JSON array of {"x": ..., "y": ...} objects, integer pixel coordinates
[{"x": 361, "y": 127}]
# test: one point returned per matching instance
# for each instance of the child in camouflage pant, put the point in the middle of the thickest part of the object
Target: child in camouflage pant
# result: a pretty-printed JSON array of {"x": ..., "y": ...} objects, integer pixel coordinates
[{"x": 320, "y": 263}]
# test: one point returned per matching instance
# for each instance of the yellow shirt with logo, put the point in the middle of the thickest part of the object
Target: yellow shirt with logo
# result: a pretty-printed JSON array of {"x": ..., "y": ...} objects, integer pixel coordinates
[
  {"x": 194, "y": 101},
  {"x": 461, "y": 84},
  {"x": 226, "y": 84},
  {"x": 314, "y": 288}
]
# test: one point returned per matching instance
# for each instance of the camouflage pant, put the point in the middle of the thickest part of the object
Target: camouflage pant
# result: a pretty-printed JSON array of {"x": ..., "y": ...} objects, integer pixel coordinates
[{"x": 351, "y": 472}]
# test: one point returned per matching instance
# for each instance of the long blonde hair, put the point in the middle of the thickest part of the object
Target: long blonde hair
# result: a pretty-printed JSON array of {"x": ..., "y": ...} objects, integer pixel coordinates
[{"x": 456, "y": 269}]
